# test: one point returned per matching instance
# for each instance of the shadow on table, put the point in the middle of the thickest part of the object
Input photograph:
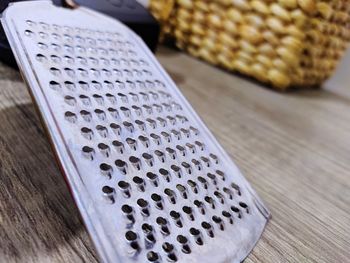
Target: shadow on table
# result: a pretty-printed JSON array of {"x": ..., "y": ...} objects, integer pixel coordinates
[{"x": 37, "y": 212}]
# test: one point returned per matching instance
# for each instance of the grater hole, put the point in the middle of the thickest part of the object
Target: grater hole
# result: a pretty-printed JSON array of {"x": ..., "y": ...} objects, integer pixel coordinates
[
  {"x": 30, "y": 33},
  {"x": 111, "y": 98},
  {"x": 142, "y": 127},
  {"x": 87, "y": 133},
  {"x": 108, "y": 194},
  {"x": 42, "y": 46},
  {"x": 193, "y": 186},
  {"x": 96, "y": 85},
  {"x": 70, "y": 116},
  {"x": 166, "y": 136},
  {"x": 236, "y": 211},
  {"x": 119, "y": 146},
  {"x": 124, "y": 185},
  {"x": 165, "y": 174},
  {"x": 116, "y": 128},
  {"x": 106, "y": 170},
  {"x": 203, "y": 182},
  {"x": 100, "y": 114},
  {"x": 102, "y": 131},
  {"x": 214, "y": 157},
  {"x": 143, "y": 204},
  {"x": 135, "y": 162},
  {"x": 140, "y": 183},
  {"x": 188, "y": 210},
  {"x": 156, "y": 138},
  {"x": 125, "y": 111},
  {"x": 30, "y": 23},
  {"x": 129, "y": 126},
  {"x": 84, "y": 85},
  {"x": 161, "y": 221},
  {"x": 160, "y": 155},
  {"x": 156, "y": 197},
  {"x": 123, "y": 97},
  {"x": 41, "y": 58},
  {"x": 171, "y": 195},
  {"x": 69, "y": 85},
  {"x": 200, "y": 145},
  {"x": 185, "y": 248},
  {"x": 137, "y": 110},
  {"x": 85, "y": 100},
  {"x": 127, "y": 209},
  {"x": 236, "y": 187},
  {"x": 70, "y": 72},
  {"x": 197, "y": 164},
  {"x": 187, "y": 167},
  {"x": 98, "y": 98},
  {"x": 196, "y": 233},
  {"x": 200, "y": 206},
  {"x": 171, "y": 153},
  {"x": 219, "y": 222},
  {"x": 181, "y": 150},
  {"x": 152, "y": 123},
  {"x": 70, "y": 100},
  {"x": 244, "y": 206},
  {"x": 219, "y": 196},
  {"x": 82, "y": 72},
  {"x": 228, "y": 215},
  {"x": 88, "y": 152},
  {"x": 177, "y": 170},
  {"x": 103, "y": 147},
  {"x": 208, "y": 228},
  {"x": 128, "y": 212},
  {"x": 152, "y": 256},
  {"x": 221, "y": 175},
  {"x": 191, "y": 148},
  {"x": 55, "y": 59},
  {"x": 210, "y": 201},
  {"x": 183, "y": 191},
  {"x": 146, "y": 228},
  {"x": 177, "y": 218},
  {"x": 228, "y": 192},
  {"x": 131, "y": 236},
  {"x": 148, "y": 158},
  {"x": 144, "y": 140},
  {"x": 158, "y": 200},
  {"x": 69, "y": 59},
  {"x": 167, "y": 247},
  {"x": 121, "y": 165},
  {"x": 149, "y": 236},
  {"x": 113, "y": 112},
  {"x": 54, "y": 85},
  {"x": 153, "y": 178},
  {"x": 206, "y": 161}
]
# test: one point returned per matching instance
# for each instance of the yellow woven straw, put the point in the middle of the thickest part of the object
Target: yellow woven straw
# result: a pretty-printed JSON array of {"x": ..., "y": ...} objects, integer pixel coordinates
[{"x": 281, "y": 42}]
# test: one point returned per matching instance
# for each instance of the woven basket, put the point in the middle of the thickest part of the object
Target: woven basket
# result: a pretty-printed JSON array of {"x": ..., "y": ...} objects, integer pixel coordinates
[{"x": 282, "y": 42}]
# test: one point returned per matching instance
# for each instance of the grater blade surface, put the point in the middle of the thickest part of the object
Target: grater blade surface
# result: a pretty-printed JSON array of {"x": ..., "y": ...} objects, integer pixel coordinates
[{"x": 151, "y": 182}]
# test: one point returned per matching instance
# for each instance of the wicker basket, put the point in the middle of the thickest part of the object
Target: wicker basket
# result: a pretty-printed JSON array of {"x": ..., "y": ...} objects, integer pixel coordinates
[{"x": 282, "y": 42}]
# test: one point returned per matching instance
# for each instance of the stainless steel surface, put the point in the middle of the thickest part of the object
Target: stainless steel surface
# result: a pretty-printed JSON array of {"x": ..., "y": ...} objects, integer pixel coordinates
[{"x": 149, "y": 179}]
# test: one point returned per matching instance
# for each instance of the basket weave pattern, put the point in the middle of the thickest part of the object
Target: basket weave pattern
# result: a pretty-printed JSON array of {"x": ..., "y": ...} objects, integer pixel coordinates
[{"x": 281, "y": 42}]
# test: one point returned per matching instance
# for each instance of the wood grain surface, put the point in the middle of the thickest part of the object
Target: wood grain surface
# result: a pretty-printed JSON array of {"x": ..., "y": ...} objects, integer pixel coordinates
[{"x": 294, "y": 148}]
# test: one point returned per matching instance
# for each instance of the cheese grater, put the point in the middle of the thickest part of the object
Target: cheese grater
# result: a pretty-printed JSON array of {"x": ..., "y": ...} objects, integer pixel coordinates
[{"x": 151, "y": 182}]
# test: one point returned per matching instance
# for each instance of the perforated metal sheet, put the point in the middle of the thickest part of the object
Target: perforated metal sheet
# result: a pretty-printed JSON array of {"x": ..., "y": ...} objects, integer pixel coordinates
[{"x": 149, "y": 179}]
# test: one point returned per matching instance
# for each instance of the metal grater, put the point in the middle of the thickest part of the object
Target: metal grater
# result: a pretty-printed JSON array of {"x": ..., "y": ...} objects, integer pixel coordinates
[{"x": 151, "y": 182}]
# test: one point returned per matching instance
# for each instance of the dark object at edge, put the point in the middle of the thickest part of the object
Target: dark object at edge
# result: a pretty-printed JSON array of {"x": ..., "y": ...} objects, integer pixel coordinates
[{"x": 129, "y": 12}]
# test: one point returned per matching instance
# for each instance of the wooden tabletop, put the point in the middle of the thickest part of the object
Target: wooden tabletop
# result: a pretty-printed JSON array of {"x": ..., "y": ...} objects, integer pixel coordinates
[{"x": 294, "y": 148}]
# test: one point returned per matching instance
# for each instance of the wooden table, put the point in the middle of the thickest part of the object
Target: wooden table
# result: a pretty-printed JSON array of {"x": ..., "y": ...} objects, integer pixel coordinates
[{"x": 294, "y": 148}]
